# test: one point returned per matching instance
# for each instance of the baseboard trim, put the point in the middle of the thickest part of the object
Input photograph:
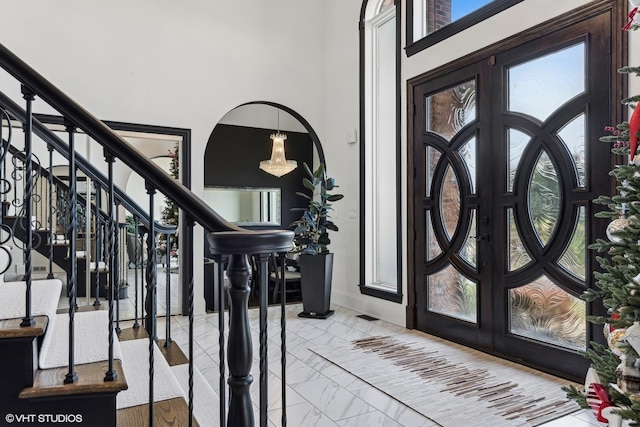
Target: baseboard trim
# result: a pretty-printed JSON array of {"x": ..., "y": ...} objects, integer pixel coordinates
[{"x": 385, "y": 310}]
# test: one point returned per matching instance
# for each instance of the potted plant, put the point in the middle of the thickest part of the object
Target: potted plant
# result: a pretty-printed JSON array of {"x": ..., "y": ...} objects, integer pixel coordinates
[{"x": 311, "y": 240}]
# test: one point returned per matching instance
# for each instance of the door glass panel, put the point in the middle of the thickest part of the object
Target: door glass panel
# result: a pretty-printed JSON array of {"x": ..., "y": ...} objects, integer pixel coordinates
[
  {"x": 468, "y": 154},
  {"x": 572, "y": 134},
  {"x": 450, "y": 110},
  {"x": 574, "y": 257},
  {"x": 468, "y": 251},
  {"x": 517, "y": 143},
  {"x": 433, "y": 249},
  {"x": 432, "y": 159},
  {"x": 538, "y": 87},
  {"x": 544, "y": 312},
  {"x": 518, "y": 255},
  {"x": 450, "y": 202},
  {"x": 544, "y": 198},
  {"x": 452, "y": 294}
]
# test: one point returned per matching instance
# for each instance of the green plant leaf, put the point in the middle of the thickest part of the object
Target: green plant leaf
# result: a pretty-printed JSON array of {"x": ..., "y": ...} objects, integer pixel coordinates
[
  {"x": 307, "y": 169},
  {"x": 331, "y": 226},
  {"x": 330, "y": 184},
  {"x": 308, "y": 184},
  {"x": 301, "y": 194},
  {"x": 319, "y": 173}
]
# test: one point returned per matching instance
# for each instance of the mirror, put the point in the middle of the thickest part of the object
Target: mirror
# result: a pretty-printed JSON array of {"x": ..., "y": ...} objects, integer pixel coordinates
[{"x": 246, "y": 206}]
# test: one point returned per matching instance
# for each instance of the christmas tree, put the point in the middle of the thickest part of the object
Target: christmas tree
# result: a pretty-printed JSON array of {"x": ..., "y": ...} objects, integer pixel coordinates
[
  {"x": 170, "y": 213},
  {"x": 614, "y": 377}
]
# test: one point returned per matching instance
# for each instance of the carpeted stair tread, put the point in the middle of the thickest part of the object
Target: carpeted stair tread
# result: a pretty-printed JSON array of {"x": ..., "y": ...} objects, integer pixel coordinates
[
  {"x": 10, "y": 328},
  {"x": 49, "y": 382},
  {"x": 172, "y": 412},
  {"x": 44, "y": 298},
  {"x": 205, "y": 400},
  {"x": 135, "y": 361},
  {"x": 102, "y": 266},
  {"x": 91, "y": 340}
]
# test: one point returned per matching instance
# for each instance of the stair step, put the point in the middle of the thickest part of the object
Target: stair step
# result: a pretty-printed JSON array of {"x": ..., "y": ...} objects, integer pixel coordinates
[
  {"x": 84, "y": 308},
  {"x": 44, "y": 299},
  {"x": 91, "y": 340},
  {"x": 10, "y": 328},
  {"x": 172, "y": 353},
  {"x": 102, "y": 266},
  {"x": 135, "y": 360},
  {"x": 49, "y": 382},
  {"x": 172, "y": 412},
  {"x": 129, "y": 334}
]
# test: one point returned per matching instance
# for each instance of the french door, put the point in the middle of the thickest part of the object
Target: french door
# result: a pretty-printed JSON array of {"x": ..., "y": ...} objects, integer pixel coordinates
[{"x": 507, "y": 163}]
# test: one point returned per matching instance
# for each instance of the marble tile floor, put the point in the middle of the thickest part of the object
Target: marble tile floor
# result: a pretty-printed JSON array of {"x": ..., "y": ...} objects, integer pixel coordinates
[{"x": 319, "y": 393}]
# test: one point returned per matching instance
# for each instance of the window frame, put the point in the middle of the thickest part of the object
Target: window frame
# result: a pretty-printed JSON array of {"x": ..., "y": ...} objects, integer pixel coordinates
[
  {"x": 486, "y": 11},
  {"x": 365, "y": 60}
]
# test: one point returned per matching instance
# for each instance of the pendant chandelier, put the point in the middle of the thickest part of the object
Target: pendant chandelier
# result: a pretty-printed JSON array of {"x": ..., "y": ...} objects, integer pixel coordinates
[{"x": 278, "y": 165}]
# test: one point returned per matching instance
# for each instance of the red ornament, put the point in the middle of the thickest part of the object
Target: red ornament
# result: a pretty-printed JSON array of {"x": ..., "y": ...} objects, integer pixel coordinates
[
  {"x": 634, "y": 126},
  {"x": 632, "y": 17},
  {"x": 598, "y": 399}
]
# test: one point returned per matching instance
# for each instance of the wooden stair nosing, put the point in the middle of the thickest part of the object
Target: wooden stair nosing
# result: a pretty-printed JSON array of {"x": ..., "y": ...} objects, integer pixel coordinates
[
  {"x": 172, "y": 412},
  {"x": 10, "y": 328},
  {"x": 172, "y": 353},
  {"x": 129, "y": 334},
  {"x": 49, "y": 382},
  {"x": 84, "y": 308}
]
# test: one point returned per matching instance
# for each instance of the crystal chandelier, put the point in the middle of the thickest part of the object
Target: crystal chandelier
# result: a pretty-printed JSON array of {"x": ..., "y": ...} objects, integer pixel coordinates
[{"x": 278, "y": 165}]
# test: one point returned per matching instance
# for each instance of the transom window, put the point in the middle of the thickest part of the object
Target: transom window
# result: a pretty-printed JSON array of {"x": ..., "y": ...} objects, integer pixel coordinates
[{"x": 431, "y": 21}]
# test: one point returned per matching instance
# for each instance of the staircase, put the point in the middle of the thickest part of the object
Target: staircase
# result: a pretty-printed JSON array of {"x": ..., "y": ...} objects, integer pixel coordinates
[{"x": 79, "y": 366}]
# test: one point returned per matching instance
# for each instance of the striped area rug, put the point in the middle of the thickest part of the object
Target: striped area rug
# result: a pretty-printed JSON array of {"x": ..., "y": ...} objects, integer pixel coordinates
[{"x": 453, "y": 385}]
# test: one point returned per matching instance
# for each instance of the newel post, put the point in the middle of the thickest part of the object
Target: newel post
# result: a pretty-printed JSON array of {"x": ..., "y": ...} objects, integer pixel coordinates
[
  {"x": 240, "y": 350},
  {"x": 239, "y": 244}
]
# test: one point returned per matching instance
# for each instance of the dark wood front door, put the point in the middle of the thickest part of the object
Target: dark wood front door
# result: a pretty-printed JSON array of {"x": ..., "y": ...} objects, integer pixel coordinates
[{"x": 507, "y": 163}]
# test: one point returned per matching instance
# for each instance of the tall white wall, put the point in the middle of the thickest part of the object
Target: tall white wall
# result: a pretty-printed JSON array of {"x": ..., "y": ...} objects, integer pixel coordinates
[{"x": 182, "y": 64}]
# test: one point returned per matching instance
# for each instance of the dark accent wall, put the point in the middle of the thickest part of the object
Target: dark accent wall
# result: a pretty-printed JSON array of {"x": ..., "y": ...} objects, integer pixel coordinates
[{"x": 234, "y": 152}]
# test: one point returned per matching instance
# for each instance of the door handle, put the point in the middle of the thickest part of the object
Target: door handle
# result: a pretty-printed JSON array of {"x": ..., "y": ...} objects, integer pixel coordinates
[{"x": 484, "y": 237}]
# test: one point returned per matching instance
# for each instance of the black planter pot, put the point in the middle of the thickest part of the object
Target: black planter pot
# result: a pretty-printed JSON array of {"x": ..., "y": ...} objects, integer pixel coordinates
[{"x": 315, "y": 272}]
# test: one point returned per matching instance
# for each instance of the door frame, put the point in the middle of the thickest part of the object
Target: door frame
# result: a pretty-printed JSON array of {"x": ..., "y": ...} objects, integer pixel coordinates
[{"x": 617, "y": 13}]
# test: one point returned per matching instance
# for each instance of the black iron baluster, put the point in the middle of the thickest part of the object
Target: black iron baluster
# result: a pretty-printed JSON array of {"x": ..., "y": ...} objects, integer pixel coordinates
[
  {"x": 111, "y": 374},
  {"x": 189, "y": 271},
  {"x": 115, "y": 259},
  {"x": 264, "y": 370},
  {"x": 51, "y": 230},
  {"x": 283, "y": 338},
  {"x": 221, "y": 345},
  {"x": 240, "y": 351},
  {"x": 167, "y": 292},
  {"x": 29, "y": 96},
  {"x": 5, "y": 186},
  {"x": 96, "y": 302},
  {"x": 136, "y": 325},
  {"x": 71, "y": 376},
  {"x": 150, "y": 324}
]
